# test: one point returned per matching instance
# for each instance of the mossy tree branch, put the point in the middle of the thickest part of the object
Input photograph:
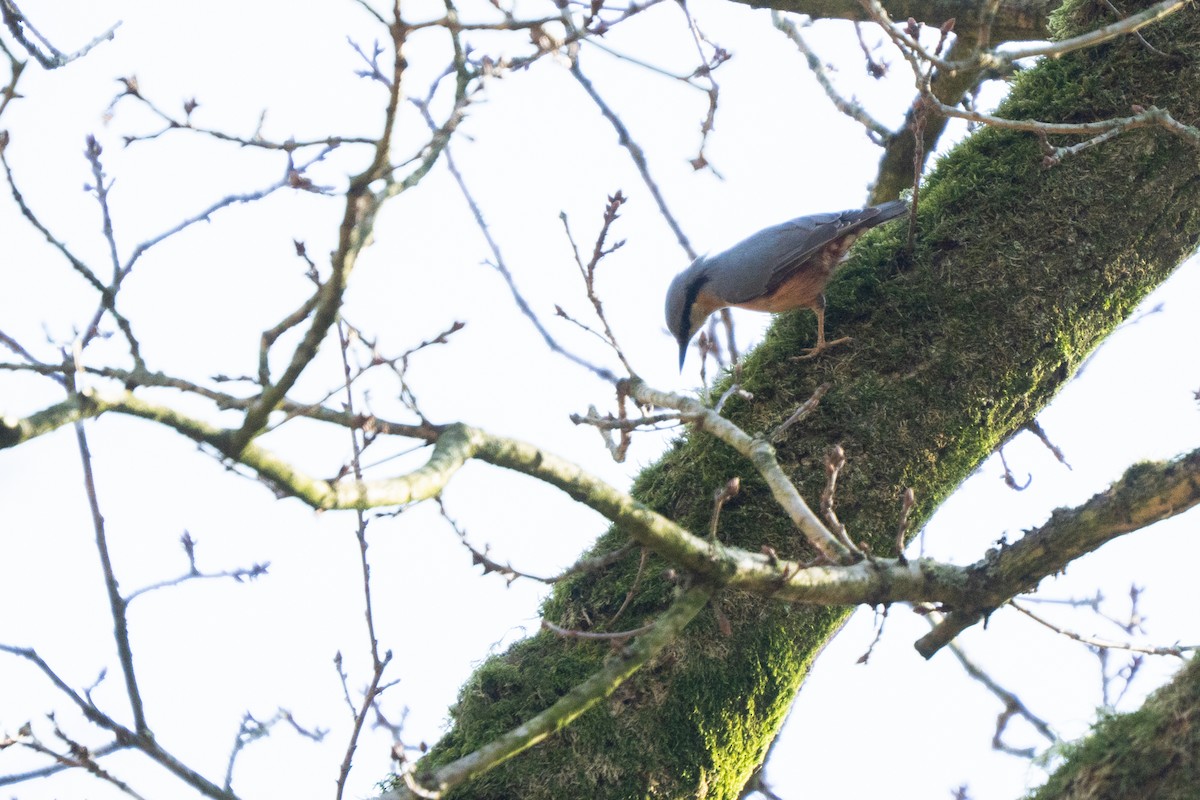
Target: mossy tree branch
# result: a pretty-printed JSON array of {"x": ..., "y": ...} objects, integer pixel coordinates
[
  {"x": 1017, "y": 273},
  {"x": 1147, "y": 494},
  {"x": 618, "y": 667}
]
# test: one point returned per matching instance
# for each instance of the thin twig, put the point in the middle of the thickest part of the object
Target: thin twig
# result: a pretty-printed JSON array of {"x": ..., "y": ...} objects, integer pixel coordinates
[
  {"x": 117, "y": 604},
  {"x": 79, "y": 756},
  {"x": 907, "y": 501},
  {"x": 499, "y": 265},
  {"x": 720, "y": 498},
  {"x": 760, "y": 453},
  {"x": 1012, "y": 705},
  {"x": 705, "y": 71},
  {"x": 835, "y": 460},
  {"x": 145, "y": 743},
  {"x": 378, "y": 664},
  {"x": 53, "y": 58},
  {"x": 637, "y": 577},
  {"x": 876, "y": 130},
  {"x": 618, "y": 636},
  {"x": 1178, "y": 650},
  {"x": 45, "y": 772},
  {"x": 108, "y": 297},
  {"x": 480, "y": 557},
  {"x": 636, "y": 154},
  {"x": 1000, "y": 60},
  {"x": 252, "y": 730},
  {"x": 15, "y": 67},
  {"x": 588, "y": 271},
  {"x": 800, "y": 414},
  {"x": 1034, "y": 427}
]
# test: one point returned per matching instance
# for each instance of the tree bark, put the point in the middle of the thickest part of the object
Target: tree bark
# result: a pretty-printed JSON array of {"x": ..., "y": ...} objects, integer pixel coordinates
[
  {"x": 1017, "y": 273},
  {"x": 1016, "y": 20}
]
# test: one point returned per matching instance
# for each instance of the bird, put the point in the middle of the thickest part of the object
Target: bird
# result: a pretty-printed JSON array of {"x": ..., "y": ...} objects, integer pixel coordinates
[{"x": 777, "y": 269}]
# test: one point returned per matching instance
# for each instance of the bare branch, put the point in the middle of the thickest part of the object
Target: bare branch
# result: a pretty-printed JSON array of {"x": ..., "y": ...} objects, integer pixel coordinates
[
  {"x": 619, "y": 636},
  {"x": 107, "y": 298},
  {"x": 45, "y": 772},
  {"x": 117, "y": 604},
  {"x": 1178, "y": 650},
  {"x": 378, "y": 664},
  {"x": 705, "y": 72},
  {"x": 636, "y": 154},
  {"x": 1010, "y": 480},
  {"x": 876, "y": 131},
  {"x": 52, "y": 57},
  {"x": 205, "y": 215},
  {"x": 499, "y": 265},
  {"x": 76, "y": 263},
  {"x": 922, "y": 62},
  {"x": 362, "y": 204},
  {"x": 608, "y": 422},
  {"x": 9, "y": 92},
  {"x": 835, "y": 459},
  {"x": 800, "y": 414},
  {"x": 1036, "y": 429},
  {"x": 1015, "y": 20},
  {"x": 1013, "y": 706},
  {"x": 145, "y": 743},
  {"x": 479, "y": 557},
  {"x": 15, "y": 346},
  {"x": 1101, "y": 131},
  {"x": 598, "y": 562},
  {"x": 194, "y": 573},
  {"x": 1145, "y": 494},
  {"x": 252, "y": 730},
  {"x": 720, "y": 498},
  {"x": 588, "y": 272},
  {"x": 1001, "y": 60},
  {"x": 907, "y": 501},
  {"x": 912, "y": 50},
  {"x": 762, "y": 455},
  {"x": 78, "y": 757}
]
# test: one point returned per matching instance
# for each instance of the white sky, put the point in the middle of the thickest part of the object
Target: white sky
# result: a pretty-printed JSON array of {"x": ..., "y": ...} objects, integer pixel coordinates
[{"x": 208, "y": 651}]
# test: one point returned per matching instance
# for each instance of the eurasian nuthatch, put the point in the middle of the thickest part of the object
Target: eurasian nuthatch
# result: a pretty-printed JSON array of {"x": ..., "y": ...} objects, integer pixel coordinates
[{"x": 777, "y": 269}]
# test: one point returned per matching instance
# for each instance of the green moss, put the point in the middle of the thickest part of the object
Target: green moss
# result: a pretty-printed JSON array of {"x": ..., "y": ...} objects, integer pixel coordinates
[{"x": 1076, "y": 16}]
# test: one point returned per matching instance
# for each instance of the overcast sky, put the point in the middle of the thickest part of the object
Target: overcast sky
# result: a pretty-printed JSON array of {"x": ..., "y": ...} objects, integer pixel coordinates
[{"x": 209, "y": 651}]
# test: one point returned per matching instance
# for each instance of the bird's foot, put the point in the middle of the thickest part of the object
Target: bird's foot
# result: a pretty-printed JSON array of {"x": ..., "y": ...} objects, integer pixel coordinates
[{"x": 821, "y": 347}]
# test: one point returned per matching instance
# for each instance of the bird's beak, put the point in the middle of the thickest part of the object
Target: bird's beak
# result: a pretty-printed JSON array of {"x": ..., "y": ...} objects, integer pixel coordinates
[{"x": 682, "y": 354}]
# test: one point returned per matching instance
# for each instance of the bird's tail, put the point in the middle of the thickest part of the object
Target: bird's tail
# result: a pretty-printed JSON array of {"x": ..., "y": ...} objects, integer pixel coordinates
[{"x": 889, "y": 210}]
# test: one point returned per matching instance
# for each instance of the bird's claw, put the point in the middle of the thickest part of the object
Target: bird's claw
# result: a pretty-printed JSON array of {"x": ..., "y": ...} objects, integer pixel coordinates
[{"x": 821, "y": 347}]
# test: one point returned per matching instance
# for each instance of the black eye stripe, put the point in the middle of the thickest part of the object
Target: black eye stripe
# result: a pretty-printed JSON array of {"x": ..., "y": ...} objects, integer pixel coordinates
[{"x": 689, "y": 300}]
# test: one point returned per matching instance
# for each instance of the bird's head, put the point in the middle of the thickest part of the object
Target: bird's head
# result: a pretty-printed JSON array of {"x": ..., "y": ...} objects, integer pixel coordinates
[{"x": 686, "y": 306}]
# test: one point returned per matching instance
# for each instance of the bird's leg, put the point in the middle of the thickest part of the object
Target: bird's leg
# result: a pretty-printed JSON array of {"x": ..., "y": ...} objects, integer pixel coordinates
[{"x": 819, "y": 309}]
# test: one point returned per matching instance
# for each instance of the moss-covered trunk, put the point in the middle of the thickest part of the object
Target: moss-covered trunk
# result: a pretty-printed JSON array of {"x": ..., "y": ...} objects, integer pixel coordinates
[
  {"x": 1017, "y": 274},
  {"x": 1153, "y": 752}
]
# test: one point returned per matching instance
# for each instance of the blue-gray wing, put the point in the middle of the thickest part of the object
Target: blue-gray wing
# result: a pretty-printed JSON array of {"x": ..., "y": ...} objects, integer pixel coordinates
[{"x": 759, "y": 264}]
